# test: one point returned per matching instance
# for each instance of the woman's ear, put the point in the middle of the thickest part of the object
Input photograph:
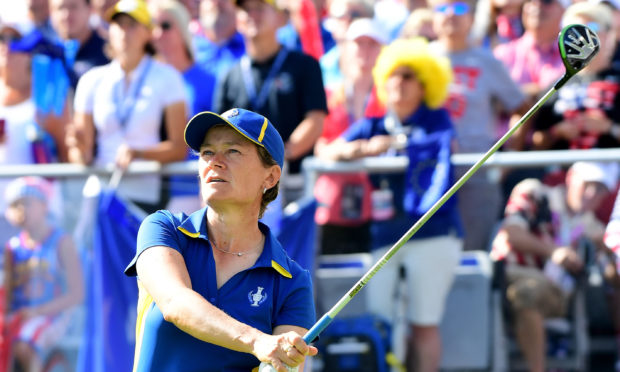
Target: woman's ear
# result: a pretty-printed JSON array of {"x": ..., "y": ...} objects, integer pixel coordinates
[{"x": 275, "y": 172}]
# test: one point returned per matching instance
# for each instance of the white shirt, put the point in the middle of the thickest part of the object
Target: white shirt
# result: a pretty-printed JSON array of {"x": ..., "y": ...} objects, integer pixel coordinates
[
  {"x": 103, "y": 93},
  {"x": 16, "y": 148}
]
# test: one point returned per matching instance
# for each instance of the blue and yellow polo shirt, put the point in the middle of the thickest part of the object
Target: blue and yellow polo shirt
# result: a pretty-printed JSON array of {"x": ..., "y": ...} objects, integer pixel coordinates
[{"x": 275, "y": 291}]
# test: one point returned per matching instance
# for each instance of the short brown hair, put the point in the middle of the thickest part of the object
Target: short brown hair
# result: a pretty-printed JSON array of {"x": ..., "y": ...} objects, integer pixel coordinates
[{"x": 271, "y": 194}]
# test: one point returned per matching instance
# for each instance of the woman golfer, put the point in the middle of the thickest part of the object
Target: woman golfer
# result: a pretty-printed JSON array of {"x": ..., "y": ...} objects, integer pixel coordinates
[{"x": 217, "y": 290}]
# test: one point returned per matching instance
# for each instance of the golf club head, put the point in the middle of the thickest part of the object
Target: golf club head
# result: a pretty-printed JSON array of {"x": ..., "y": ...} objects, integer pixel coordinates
[{"x": 578, "y": 45}]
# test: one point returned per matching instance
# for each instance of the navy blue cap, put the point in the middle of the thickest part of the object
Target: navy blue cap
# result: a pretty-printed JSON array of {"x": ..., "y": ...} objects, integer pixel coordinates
[{"x": 251, "y": 125}]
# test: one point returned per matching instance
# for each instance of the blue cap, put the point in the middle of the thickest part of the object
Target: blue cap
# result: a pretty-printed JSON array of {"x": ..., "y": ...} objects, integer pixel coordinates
[{"x": 251, "y": 125}]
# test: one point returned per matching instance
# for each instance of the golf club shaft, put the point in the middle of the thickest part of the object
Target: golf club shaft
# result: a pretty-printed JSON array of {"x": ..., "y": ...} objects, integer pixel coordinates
[{"x": 326, "y": 319}]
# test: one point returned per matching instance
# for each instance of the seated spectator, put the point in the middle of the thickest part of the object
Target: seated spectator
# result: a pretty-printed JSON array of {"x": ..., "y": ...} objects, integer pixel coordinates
[
  {"x": 217, "y": 43},
  {"x": 343, "y": 211},
  {"x": 480, "y": 92},
  {"x": 538, "y": 242},
  {"x": 283, "y": 85},
  {"x": 120, "y": 108},
  {"x": 173, "y": 45},
  {"x": 43, "y": 278},
  {"x": 70, "y": 19},
  {"x": 585, "y": 113},
  {"x": 413, "y": 84}
]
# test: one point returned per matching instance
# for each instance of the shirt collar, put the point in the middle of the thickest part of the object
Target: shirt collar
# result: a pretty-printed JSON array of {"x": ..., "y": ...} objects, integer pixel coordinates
[
  {"x": 273, "y": 255},
  {"x": 418, "y": 115},
  {"x": 118, "y": 71}
]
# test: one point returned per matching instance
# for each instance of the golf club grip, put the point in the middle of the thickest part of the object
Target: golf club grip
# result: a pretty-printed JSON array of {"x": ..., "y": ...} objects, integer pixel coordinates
[{"x": 326, "y": 319}]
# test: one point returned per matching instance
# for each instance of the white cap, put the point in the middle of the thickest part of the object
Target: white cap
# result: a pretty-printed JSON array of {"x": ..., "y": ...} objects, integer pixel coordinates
[
  {"x": 367, "y": 27},
  {"x": 605, "y": 173}
]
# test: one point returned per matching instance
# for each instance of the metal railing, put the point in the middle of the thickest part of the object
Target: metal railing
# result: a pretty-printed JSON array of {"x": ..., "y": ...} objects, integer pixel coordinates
[
  {"x": 519, "y": 159},
  {"x": 313, "y": 166}
]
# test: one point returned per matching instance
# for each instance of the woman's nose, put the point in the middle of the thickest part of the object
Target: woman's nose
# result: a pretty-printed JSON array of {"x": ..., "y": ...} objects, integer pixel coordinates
[{"x": 215, "y": 160}]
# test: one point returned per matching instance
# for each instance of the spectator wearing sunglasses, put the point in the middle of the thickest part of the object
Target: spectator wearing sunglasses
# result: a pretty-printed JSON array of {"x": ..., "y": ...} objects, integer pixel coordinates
[
  {"x": 586, "y": 111},
  {"x": 70, "y": 19},
  {"x": 173, "y": 45},
  {"x": 132, "y": 108},
  {"x": 479, "y": 79}
]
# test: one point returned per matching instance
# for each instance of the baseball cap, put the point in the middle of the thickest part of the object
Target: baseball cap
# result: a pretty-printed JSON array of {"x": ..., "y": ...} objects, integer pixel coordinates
[
  {"x": 251, "y": 125},
  {"x": 136, "y": 9},
  {"x": 30, "y": 186},
  {"x": 366, "y": 27},
  {"x": 605, "y": 173}
]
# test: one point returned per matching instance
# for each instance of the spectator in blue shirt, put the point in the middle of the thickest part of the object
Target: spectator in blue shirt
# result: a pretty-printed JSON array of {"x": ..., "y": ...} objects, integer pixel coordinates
[
  {"x": 217, "y": 290},
  {"x": 217, "y": 43},
  {"x": 70, "y": 19},
  {"x": 413, "y": 84}
]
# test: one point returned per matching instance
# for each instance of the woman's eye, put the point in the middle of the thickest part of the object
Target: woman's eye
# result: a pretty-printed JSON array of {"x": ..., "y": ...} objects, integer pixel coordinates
[{"x": 206, "y": 153}]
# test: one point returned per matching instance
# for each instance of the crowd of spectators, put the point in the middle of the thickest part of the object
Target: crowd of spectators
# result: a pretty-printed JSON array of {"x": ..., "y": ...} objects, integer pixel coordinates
[{"x": 99, "y": 82}]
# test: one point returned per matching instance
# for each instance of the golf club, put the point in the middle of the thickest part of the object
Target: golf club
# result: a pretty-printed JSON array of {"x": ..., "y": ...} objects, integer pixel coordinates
[{"x": 578, "y": 45}]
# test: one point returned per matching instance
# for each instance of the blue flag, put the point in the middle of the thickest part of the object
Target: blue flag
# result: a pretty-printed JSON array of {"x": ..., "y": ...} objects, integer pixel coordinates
[
  {"x": 109, "y": 334},
  {"x": 297, "y": 233},
  {"x": 429, "y": 174}
]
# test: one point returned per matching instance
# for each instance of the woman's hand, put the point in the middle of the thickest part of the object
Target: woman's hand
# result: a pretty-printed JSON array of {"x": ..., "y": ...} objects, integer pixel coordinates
[
  {"x": 567, "y": 129},
  {"x": 378, "y": 145},
  {"x": 283, "y": 349},
  {"x": 124, "y": 156}
]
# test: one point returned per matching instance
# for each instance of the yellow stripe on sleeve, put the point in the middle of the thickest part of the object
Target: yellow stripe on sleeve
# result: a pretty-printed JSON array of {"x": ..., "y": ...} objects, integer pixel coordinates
[{"x": 144, "y": 304}]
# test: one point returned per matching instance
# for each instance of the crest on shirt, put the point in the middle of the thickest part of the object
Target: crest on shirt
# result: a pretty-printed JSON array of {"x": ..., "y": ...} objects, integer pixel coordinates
[
  {"x": 257, "y": 297},
  {"x": 284, "y": 83}
]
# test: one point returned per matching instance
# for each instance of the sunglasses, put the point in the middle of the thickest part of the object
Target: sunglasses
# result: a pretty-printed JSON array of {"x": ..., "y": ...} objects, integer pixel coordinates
[
  {"x": 457, "y": 8},
  {"x": 165, "y": 25},
  {"x": 404, "y": 76}
]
